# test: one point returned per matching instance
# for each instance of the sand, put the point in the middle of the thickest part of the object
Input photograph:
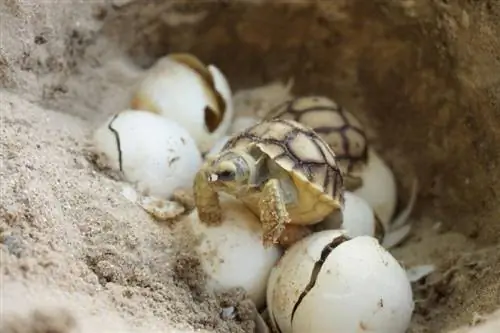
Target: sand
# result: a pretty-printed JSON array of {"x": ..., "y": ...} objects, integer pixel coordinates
[{"x": 77, "y": 256}]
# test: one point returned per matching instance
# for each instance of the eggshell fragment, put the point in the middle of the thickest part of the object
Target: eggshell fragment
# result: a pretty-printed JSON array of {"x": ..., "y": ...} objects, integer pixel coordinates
[
  {"x": 329, "y": 283},
  {"x": 357, "y": 217},
  {"x": 154, "y": 153},
  {"x": 232, "y": 253},
  {"x": 196, "y": 96}
]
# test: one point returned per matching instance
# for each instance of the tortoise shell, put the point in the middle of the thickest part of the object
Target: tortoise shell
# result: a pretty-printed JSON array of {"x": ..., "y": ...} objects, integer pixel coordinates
[
  {"x": 337, "y": 126},
  {"x": 300, "y": 151}
]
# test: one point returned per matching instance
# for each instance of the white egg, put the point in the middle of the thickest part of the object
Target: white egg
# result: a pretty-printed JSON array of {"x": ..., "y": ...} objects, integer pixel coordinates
[
  {"x": 196, "y": 96},
  {"x": 380, "y": 191},
  {"x": 379, "y": 187},
  {"x": 329, "y": 283},
  {"x": 217, "y": 147},
  {"x": 154, "y": 153},
  {"x": 242, "y": 123},
  {"x": 232, "y": 253},
  {"x": 358, "y": 217}
]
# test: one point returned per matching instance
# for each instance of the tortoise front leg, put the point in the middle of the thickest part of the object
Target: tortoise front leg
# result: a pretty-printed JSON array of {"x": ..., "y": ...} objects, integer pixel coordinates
[
  {"x": 292, "y": 234},
  {"x": 206, "y": 201},
  {"x": 273, "y": 214}
]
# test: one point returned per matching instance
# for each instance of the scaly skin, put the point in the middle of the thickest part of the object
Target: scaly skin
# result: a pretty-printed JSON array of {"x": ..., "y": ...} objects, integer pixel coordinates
[
  {"x": 292, "y": 234},
  {"x": 273, "y": 213},
  {"x": 207, "y": 201}
]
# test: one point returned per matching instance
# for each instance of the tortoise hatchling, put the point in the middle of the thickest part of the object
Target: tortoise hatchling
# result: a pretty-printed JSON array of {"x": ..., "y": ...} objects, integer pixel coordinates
[
  {"x": 282, "y": 170},
  {"x": 337, "y": 126}
]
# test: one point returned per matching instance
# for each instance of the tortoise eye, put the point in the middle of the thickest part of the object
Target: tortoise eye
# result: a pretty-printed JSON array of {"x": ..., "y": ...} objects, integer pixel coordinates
[{"x": 226, "y": 175}]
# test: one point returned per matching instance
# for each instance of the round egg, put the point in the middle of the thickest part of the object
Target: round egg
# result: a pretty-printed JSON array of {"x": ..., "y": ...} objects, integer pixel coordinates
[
  {"x": 232, "y": 253},
  {"x": 242, "y": 123},
  {"x": 182, "y": 88},
  {"x": 328, "y": 282},
  {"x": 379, "y": 187},
  {"x": 152, "y": 152}
]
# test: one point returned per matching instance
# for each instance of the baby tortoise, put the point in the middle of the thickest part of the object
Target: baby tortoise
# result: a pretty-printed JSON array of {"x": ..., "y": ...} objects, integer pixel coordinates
[
  {"x": 282, "y": 170},
  {"x": 337, "y": 126}
]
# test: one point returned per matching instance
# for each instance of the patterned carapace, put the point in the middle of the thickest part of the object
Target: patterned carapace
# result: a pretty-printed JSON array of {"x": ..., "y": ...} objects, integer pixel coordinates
[
  {"x": 337, "y": 126},
  {"x": 296, "y": 148}
]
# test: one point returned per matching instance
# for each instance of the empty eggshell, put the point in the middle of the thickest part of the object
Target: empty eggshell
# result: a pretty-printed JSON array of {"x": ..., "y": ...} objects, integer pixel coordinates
[
  {"x": 329, "y": 283},
  {"x": 154, "y": 153},
  {"x": 379, "y": 187},
  {"x": 232, "y": 253},
  {"x": 196, "y": 96}
]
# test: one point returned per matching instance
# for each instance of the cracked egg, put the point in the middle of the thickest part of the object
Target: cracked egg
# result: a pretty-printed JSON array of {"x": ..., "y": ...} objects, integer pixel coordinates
[
  {"x": 197, "y": 96},
  {"x": 232, "y": 253},
  {"x": 328, "y": 282},
  {"x": 154, "y": 153}
]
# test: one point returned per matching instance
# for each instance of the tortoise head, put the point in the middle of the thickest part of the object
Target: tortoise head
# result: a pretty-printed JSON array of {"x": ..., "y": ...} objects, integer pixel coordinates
[{"x": 231, "y": 169}]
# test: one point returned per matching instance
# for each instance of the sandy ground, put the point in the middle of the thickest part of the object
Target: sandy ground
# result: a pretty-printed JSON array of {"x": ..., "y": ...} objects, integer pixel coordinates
[{"x": 76, "y": 255}]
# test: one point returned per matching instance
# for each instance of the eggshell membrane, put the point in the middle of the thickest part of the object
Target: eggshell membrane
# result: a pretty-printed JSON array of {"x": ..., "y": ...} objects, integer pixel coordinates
[
  {"x": 177, "y": 92},
  {"x": 379, "y": 188},
  {"x": 232, "y": 253},
  {"x": 357, "y": 217},
  {"x": 158, "y": 155},
  {"x": 360, "y": 287}
]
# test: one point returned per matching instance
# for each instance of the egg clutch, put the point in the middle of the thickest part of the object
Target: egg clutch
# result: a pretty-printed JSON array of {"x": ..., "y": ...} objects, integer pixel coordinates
[{"x": 297, "y": 206}]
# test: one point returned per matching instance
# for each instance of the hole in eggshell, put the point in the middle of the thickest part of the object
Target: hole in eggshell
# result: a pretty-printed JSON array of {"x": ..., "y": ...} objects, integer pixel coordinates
[{"x": 212, "y": 121}]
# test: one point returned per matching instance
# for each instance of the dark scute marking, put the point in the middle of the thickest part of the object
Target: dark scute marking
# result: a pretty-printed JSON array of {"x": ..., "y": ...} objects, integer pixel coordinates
[
  {"x": 118, "y": 142},
  {"x": 302, "y": 165},
  {"x": 317, "y": 269},
  {"x": 212, "y": 120}
]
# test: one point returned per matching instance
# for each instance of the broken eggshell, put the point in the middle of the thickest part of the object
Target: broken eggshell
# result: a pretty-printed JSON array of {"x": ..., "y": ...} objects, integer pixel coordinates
[
  {"x": 232, "y": 253},
  {"x": 380, "y": 191},
  {"x": 328, "y": 282},
  {"x": 379, "y": 186},
  {"x": 154, "y": 153},
  {"x": 198, "y": 97},
  {"x": 359, "y": 219}
]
